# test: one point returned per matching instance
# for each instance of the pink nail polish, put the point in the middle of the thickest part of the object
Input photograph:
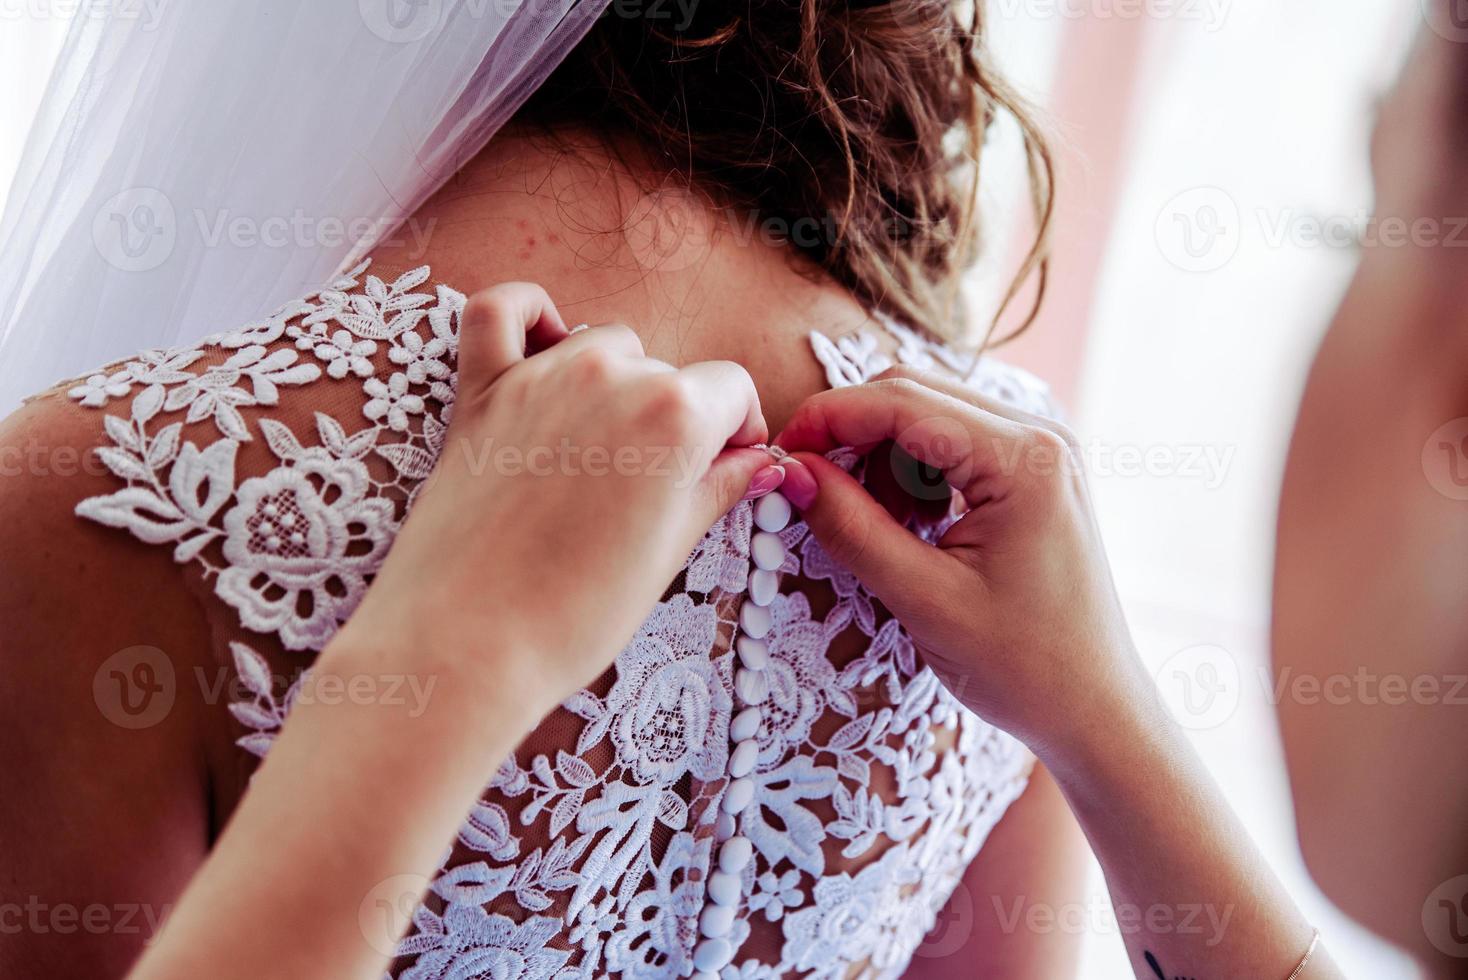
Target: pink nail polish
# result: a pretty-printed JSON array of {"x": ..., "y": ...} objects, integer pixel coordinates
[
  {"x": 764, "y": 481},
  {"x": 800, "y": 484}
]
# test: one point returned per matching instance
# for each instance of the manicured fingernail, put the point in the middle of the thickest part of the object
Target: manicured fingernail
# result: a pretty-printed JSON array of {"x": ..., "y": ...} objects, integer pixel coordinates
[
  {"x": 766, "y": 479},
  {"x": 800, "y": 486}
]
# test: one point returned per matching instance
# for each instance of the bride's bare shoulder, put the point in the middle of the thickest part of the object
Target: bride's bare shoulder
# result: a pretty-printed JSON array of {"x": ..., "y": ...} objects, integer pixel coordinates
[
  {"x": 114, "y": 487},
  {"x": 54, "y": 566},
  {"x": 97, "y": 711}
]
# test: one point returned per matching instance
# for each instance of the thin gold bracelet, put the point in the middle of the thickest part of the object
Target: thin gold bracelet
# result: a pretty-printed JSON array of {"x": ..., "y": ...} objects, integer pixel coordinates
[{"x": 1314, "y": 942}]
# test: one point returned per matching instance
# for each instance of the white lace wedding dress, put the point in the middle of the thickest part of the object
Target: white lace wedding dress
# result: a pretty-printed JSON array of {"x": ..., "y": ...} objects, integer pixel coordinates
[{"x": 278, "y": 461}]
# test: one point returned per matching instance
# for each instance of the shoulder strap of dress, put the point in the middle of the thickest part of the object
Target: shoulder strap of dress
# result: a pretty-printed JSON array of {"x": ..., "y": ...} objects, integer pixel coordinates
[{"x": 857, "y": 357}]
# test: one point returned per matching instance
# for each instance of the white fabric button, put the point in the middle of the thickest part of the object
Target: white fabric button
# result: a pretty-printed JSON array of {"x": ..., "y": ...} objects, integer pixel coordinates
[
  {"x": 745, "y": 724},
  {"x": 735, "y": 854},
  {"x": 764, "y": 585},
  {"x": 716, "y": 920},
  {"x": 772, "y": 512},
  {"x": 724, "y": 888},
  {"x": 741, "y": 761},
  {"x": 767, "y": 550},
  {"x": 738, "y": 796},
  {"x": 755, "y": 620},
  {"x": 754, "y": 654},
  {"x": 724, "y": 827},
  {"x": 713, "y": 954},
  {"x": 752, "y": 686}
]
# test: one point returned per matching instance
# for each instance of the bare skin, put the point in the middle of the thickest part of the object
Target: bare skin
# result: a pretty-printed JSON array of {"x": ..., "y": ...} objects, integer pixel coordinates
[
  {"x": 524, "y": 212},
  {"x": 1369, "y": 584},
  {"x": 85, "y": 797},
  {"x": 616, "y": 242}
]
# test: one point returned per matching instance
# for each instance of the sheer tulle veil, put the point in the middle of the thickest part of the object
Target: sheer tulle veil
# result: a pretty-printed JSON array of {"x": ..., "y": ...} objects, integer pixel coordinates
[{"x": 194, "y": 165}]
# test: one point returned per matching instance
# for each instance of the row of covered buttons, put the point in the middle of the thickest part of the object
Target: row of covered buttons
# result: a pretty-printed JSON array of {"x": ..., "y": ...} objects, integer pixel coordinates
[{"x": 751, "y": 689}]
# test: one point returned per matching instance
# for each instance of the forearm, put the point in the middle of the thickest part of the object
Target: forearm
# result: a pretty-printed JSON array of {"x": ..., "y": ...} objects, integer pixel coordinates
[
  {"x": 1190, "y": 890},
  {"x": 342, "y": 826}
]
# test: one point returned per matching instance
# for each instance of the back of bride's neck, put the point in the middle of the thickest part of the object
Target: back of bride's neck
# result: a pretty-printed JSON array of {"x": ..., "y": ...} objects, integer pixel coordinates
[{"x": 612, "y": 239}]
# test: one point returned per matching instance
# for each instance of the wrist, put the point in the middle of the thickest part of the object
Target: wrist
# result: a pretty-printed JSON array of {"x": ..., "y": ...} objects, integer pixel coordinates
[{"x": 1121, "y": 728}]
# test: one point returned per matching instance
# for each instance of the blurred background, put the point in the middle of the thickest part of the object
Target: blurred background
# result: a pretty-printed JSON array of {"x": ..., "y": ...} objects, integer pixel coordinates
[
  {"x": 1213, "y": 169},
  {"x": 1214, "y": 181}
]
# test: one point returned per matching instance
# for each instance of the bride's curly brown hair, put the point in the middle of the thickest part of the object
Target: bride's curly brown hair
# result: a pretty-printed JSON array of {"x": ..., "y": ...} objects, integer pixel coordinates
[{"x": 863, "y": 118}]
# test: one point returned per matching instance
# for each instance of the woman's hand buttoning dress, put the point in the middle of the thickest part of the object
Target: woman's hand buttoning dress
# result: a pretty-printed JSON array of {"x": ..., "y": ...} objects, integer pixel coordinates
[{"x": 714, "y": 786}]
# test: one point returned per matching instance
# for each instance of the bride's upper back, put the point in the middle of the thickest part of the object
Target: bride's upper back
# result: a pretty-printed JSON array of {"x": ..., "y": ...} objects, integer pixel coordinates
[
  {"x": 767, "y": 775},
  {"x": 225, "y": 504},
  {"x": 614, "y": 239},
  {"x": 273, "y": 464}
]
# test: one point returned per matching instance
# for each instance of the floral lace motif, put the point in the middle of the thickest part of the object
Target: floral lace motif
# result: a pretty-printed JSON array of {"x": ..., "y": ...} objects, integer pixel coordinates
[{"x": 588, "y": 853}]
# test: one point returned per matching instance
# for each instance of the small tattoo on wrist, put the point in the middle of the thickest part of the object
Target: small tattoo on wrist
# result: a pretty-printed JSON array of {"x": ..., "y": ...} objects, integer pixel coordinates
[{"x": 1157, "y": 968}]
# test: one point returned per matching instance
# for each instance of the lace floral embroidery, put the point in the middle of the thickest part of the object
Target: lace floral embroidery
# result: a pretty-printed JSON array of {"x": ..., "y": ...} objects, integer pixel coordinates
[
  {"x": 589, "y": 852},
  {"x": 298, "y": 545}
]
